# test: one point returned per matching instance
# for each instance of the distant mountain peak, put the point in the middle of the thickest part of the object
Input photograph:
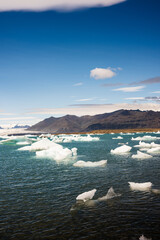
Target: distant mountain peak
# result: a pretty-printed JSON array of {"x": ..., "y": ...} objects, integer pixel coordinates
[{"x": 120, "y": 119}]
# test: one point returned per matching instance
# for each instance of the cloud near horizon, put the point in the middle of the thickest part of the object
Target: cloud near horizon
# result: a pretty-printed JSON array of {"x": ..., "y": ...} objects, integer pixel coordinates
[
  {"x": 63, "y": 5},
  {"x": 102, "y": 73},
  {"x": 148, "y": 81},
  {"x": 130, "y": 89},
  {"x": 93, "y": 109}
]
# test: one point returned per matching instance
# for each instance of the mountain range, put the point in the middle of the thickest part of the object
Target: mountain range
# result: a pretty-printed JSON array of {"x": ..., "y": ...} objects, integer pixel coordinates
[{"x": 121, "y": 119}]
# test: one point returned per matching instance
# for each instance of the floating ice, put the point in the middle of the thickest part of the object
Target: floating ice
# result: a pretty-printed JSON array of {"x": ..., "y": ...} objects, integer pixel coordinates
[
  {"x": 140, "y": 186},
  {"x": 43, "y": 144},
  {"x": 147, "y": 145},
  {"x": 110, "y": 194},
  {"x": 48, "y": 149},
  {"x": 74, "y": 138},
  {"x": 144, "y": 138},
  {"x": 119, "y": 137},
  {"x": 156, "y": 191},
  {"x": 144, "y": 238},
  {"x": 154, "y": 150},
  {"x": 90, "y": 164},
  {"x": 23, "y": 143},
  {"x": 86, "y": 195},
  {"x": 58, "y": 154},
  {"x": 141, "y": 155},
  {"x": 121, "y": 150}
]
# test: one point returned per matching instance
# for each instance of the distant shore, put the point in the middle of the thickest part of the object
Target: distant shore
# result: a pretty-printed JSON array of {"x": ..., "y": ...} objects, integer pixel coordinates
[{"x": 107, "y": 131}]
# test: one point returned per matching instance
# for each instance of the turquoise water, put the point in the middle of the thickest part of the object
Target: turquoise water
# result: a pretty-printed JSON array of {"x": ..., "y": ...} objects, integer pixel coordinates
[{"x": 37, "y": 194}]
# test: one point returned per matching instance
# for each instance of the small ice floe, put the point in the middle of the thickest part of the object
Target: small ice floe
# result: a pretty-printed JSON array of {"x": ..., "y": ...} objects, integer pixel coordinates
[
  {"x": 121, "y": 150},
  {"x": 156, "y": 191},
  {"x": 119, "y": 137},
  {"x": 48, "y": 149},
  {"x": 110, "y": 194},
  {"x": 141, "y": 155},
  {"x": 147, "y": 145},
  {"x": 154, "y": 150},
  {"x": 23, "y": 143},
  {"x": 43, "y": 144},
  {"x": 74, "y": 138},
  {"x": 86, "y": 195},
  {"x": 101, "y": 163},
  {"x": 56, "y": 154},
  {"x": 144, "y": 138},
  {"x": 144, "y": 238},
  {"x": 140, "y": 186}
]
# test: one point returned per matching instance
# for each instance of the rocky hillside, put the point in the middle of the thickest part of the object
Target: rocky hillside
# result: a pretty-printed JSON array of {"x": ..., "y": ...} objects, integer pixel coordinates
[{"x": 121, "y": 119}]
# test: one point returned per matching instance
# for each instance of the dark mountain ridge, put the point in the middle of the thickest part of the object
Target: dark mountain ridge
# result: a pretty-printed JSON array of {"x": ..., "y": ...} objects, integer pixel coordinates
[{"x": 121, "y": 119}]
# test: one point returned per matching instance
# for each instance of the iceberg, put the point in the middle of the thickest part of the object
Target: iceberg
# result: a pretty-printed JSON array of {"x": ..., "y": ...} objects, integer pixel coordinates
[
  {"x": 144, "y": 138},
  {"x": 154, "y": 150},
  {"x": 147, "y": 145},
  {"x": 43, "y": 144},
  {"x": 121, "y": 150},
  {"x": 119, "y": 137},
  {"x": 86, "y": 195},
  {"x": 110, "y": 194},
  {"x": 74, "y": 138},
  {"x": 144, "y": 238},
  {"x": 141, "y": 155},
  {"x": 101, "y": 163},
  {"x": 58, "y": 154},
  {"x": 140, "y": 186}
]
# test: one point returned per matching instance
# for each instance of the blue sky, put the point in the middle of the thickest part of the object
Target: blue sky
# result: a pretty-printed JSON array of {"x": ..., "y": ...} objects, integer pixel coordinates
[{"x": 73, "y": 59}]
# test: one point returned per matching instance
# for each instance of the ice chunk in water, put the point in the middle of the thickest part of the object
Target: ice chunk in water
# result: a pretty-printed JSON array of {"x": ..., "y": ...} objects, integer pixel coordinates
[
  {"x": 86, "y": 195},
  {"x": 141, "y": 155},
  {"x": 140, "y": 186},
  {"x": 90, "y": 164},
  {"x": 144, "y": 238},
  {"x": 121, "y": 149},
  {"x": 119, "y": 137},
  {"x": 110, "y": 194}
]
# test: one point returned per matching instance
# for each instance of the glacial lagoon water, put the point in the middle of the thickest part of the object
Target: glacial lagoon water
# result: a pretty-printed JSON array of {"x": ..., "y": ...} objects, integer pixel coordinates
[{"x": 38, "y": 195}]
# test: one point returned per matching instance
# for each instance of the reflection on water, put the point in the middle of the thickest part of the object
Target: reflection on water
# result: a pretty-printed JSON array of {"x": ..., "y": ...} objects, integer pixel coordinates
[{"x": 38, "y": 196}]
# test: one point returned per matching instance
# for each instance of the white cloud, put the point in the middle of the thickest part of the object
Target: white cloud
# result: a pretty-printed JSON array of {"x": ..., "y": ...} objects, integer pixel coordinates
[
  {"x": 135, "y": 98},
  {"x": 78, "y": 84},
  {"x": 102, "y": 73},
  {"x": 156, "y": 92},
  {"x": 41, "y": 5},
  {"x": 15, "y": 118},
  {"x": 130, "y": 89},
  {"x": 84, "y": 100},
  {"x": 92, "y": 109}
]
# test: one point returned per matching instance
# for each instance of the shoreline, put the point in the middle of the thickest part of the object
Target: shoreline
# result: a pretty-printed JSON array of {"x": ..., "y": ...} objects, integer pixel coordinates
[{"x": 107, "y": 131}]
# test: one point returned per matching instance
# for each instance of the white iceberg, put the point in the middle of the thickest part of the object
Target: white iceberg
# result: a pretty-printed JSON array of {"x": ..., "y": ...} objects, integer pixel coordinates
[
  {"x": 147, "y": 145},
  {"x": 140, "y": 186},
  {"x": 144, "y": 238},
  {"x": 43, "y": 144},
  {"x": 74, "y": 138},
  {"x": 121, "y": 150},
  {"x": 141, "y": 155},
  {"x": 110, "y": 194},
  {"x": 119, "y": 137},
  {"x": 90, "y": 164},
  {"x": 144, "y": 138},
  {"x": 154, "y": 150},
  {"x": 86, "y": 195},
  {"x": 58, "y": 154}
]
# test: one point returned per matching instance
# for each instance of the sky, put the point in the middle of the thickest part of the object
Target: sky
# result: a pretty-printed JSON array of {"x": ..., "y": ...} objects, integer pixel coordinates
[{"x": 86, "y": 57}]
